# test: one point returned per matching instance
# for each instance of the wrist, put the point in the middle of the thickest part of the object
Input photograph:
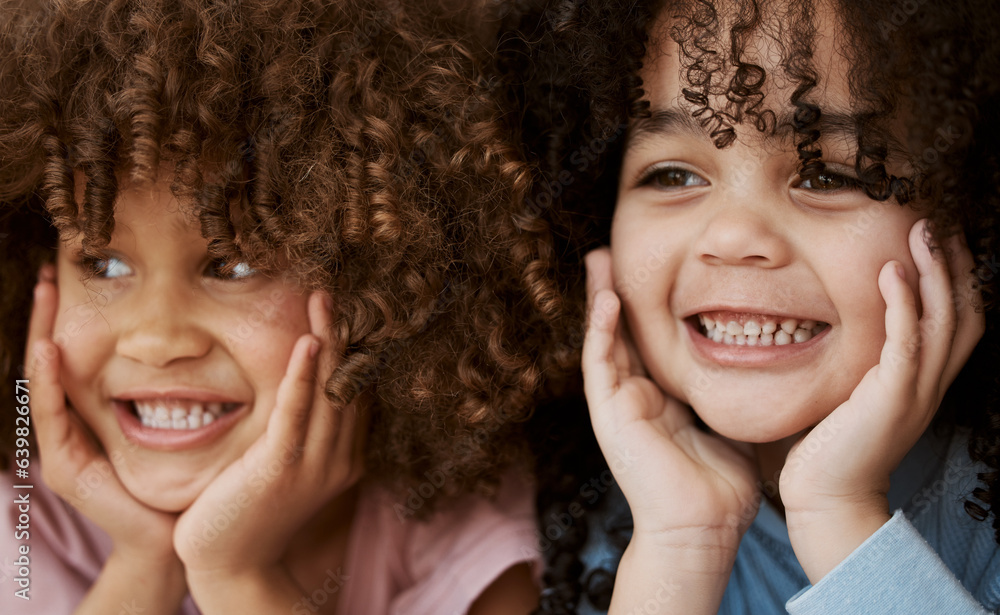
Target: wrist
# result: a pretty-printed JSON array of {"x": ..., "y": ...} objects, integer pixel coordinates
[
  {"x": 825, "y": 533},
  {"x": 696, "y": 550},
  {"x": 145, "y": 559},
  {"x": 684, "y": 572},
  {"x": 249, "y": 590},
  {"x": 149, "y": 584}
]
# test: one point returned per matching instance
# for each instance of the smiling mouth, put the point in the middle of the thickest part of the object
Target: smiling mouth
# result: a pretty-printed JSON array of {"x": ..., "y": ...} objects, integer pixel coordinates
[
  {"x": 178, "y": 414},
  {"x": 757, "y": 329}
]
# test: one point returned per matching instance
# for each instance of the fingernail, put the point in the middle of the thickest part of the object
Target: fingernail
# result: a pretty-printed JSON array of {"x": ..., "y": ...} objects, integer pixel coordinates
[
  {"x": 900, "y": 272},
  {"x": 40, "y": 352},
  {"x": 313, "y": 349},
  {"x": 46, "y": 273}
]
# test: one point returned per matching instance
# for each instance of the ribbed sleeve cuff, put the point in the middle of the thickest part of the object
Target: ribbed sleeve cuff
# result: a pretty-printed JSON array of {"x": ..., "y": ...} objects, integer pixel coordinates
[{"x": 894, "y": 571}]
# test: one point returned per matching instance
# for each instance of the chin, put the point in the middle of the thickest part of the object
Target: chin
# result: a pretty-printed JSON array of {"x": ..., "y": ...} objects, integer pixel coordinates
[
  {"x": 758, "y": 421},
  {"x": 176, "y": 503},
  {"x": 169, "y": 495},
  {"x": 169, "y": 501}
]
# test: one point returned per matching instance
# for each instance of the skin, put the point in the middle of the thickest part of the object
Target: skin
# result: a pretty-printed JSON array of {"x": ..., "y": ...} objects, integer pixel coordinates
[
  {"x": 700, "y": 229},
  {"x": 159, "y": 316}
]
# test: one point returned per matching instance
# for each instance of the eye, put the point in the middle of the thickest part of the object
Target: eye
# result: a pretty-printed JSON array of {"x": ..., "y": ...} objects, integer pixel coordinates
[
  {"x": 671, "y": 177},
  {"x": 829, "y": 181},
  {"x": 224, "y": 271},
  {"x": 108, "y": 268}
]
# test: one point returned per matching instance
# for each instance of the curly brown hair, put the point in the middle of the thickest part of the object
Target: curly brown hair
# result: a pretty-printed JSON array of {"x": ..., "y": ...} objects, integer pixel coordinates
[
  {"x": 571, "y": 68},
  {"x": 354, "y": 145}
]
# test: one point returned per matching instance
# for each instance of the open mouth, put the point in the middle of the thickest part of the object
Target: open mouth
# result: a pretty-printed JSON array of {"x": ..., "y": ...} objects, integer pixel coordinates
[
  {"x": 757, "y": 329},
  {"x": 178, "y": 414}
]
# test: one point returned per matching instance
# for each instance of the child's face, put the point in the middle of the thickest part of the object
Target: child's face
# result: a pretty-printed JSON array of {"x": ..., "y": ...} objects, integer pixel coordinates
[
  {"x": 733, "y": 235},
  {"x": 160, "y": 332}
]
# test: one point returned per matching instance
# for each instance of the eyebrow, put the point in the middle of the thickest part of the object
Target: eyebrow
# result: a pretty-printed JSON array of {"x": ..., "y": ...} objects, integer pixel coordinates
[{"x": 670, "y": 122}]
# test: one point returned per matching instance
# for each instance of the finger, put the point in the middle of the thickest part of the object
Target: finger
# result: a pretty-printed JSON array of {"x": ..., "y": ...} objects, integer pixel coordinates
[
  {"x": 324, "y": 424},
  {"x": 48, "y": 405},
  {"x": 937, "y": 323},
  {"x": 64, "y": 447},
  {"x": 42, "y": 321},
  {"x": 600, "y": 371},
  {"x": 288, "y": 423},
  {"x": 598, "y": 263},
  {"x": 970, "y": 318},
  {"x": 63, "y": 441},
  {"x": 599, "y": 277},
  {"x": 42, "y": 367},
  {"x": 626, "y": 354},
  {"x": 898, "y": 362}
]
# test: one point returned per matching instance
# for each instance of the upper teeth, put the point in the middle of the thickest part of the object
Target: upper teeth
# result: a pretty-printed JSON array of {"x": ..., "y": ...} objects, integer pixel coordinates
[
  {"x": 174, "y": 414},
  {"x": 757, "y": 333}
]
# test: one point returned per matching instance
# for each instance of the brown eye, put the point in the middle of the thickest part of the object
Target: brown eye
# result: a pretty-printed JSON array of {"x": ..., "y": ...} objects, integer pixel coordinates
[
  {"x": 674, "y": 177},
  {"x": 829, "y": 182}
]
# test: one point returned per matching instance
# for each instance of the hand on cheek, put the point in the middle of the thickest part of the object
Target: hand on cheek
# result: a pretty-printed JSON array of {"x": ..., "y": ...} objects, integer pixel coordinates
[
  {"x": 143, "y": 564},
  {"x": 310, "y": 452},
  {"x": 835, "y": 480},
  {"x": 692, "y": 494}
]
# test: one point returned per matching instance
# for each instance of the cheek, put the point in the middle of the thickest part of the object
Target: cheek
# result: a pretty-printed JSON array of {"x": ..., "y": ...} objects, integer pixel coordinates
[
  {"x": 264, "y": 331},
  {"x": 852, "y": 282},
  {"x": 81, "y": 331},
  {"x": 640, "y": 262}
]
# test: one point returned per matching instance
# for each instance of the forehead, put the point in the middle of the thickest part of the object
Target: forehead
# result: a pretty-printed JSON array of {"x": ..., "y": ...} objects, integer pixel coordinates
[
  {"x": 779, "y": 55},
  {"x": 148, "y": 206}
]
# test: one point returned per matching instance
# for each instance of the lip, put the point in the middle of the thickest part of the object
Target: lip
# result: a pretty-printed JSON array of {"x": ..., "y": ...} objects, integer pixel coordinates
[
  {"x": 750, "y": 310},
  {"x": 174, "y": 439},
  {"x": 192, "y": 394},
  {"x": 751, "y": 356}
]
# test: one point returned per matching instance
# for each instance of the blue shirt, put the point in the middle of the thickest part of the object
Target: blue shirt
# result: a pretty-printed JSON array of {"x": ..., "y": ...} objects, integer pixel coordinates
[{"x": 931, "y": 558}]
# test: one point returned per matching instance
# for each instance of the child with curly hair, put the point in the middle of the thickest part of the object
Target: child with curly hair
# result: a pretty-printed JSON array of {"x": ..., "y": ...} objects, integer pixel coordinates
[
  {"x": 790, "y": 357},
  {"x": 286, "y": 312}
]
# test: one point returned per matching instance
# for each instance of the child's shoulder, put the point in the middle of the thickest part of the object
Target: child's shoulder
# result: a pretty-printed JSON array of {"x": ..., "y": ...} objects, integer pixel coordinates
[
  {"x": 441, "y": 564},
  {"x": 47, "y": 548},
  {"x": 936, "y": 507},
  {"x": 65, "y": 551}
]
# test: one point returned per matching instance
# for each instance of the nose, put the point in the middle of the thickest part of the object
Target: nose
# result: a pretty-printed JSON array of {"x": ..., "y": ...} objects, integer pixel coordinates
[
  {"x": 158, "y": 326},
  {"x": 743, "y": 232}
]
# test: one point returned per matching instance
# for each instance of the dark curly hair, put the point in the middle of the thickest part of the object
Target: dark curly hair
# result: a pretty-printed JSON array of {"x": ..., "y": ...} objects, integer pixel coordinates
[
  {"x": 355, "y": 146},
  {"x": 571, "y": 69}
]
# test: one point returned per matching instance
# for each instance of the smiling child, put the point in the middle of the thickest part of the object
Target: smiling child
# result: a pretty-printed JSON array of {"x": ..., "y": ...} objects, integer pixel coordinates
[
  {"x": 285, "y": 311},
  {"x": 788, "y": 296}
]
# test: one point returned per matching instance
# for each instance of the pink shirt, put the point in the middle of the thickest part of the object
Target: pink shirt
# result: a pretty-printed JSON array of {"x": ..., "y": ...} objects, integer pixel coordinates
[{"x": 395, "y": 565}]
